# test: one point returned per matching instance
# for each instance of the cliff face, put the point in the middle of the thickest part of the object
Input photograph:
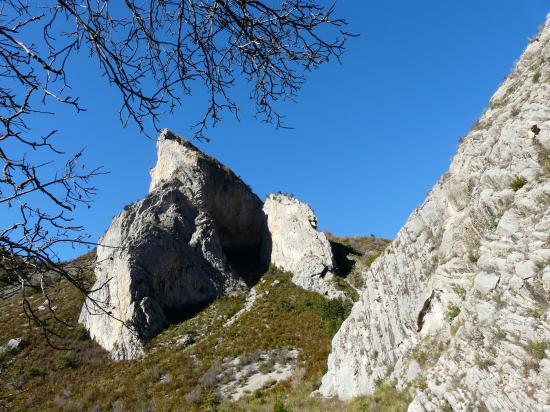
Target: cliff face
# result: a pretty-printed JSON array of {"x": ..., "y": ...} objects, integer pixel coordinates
[
  {"x": 169, "y": 250},
  {"x": 457, "y": 306},
  {"x": 185, "y": 243}
]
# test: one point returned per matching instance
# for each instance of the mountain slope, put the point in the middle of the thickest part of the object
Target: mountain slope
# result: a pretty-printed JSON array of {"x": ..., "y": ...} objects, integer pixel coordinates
[{"x": 457, "y": 306}]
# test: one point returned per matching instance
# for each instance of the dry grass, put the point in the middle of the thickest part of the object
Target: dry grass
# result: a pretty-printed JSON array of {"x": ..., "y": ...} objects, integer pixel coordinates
[{"x": 169, "y": 378}]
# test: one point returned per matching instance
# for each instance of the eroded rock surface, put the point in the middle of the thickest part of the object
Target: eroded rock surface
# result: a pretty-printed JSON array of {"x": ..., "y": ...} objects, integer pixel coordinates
[
  {"x": 457, "y": 306},
  {"x": 199, "y": 234},
  {"x": 297, "y": 247},
  {"x": 170, "y": 249}
]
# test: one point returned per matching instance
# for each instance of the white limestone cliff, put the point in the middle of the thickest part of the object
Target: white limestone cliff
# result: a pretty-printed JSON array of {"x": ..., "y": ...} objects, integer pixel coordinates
[
  {"x": 180, "y": 246},
  {"x": 170, "y": 249},
  {"x": 457, "y": 306}
]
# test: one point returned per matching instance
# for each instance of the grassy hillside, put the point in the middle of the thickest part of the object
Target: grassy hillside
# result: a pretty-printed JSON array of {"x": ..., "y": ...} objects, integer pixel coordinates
[{"x": 175, "y": 377}]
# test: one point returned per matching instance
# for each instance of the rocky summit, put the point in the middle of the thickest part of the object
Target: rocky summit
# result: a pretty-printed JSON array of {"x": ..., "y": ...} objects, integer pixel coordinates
[
  {"x": 186, "y": 243},
  {"x": 457, "y": 306}
]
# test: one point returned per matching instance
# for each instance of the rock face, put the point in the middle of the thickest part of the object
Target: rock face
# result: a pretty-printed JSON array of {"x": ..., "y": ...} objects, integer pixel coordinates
[
  {"x": 212, "y": 187},
  {"x": 296, "y": 245},
  {"x": 457, "y": 305},
  {"x": 169, "y": 250},
  {"x": 182, "y": 243}
]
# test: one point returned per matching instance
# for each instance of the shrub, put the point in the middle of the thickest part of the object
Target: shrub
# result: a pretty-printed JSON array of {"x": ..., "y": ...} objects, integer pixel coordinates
[
  {"x": 385, "y": 398},
  {"x": 420, "y": 356},
  {"x": 210, "y": 401},
  {"x": 533, "y": 313},
  {"x": 334, "y": 312},
  {"x": 460, "y": 291},
  {"x": 530, "y": 365},
  {"x": 32, "y": 372},
  {"x": 537, "y": 348},
  {"x": 279, "y": 406},
  {"x": 81, "y": 333},
  {"x": 473, "y": 257},
  {"x": 536, "y": 77},
  {"x": 517, "y": 183},
  {"x": 452, "y": 312},
  {"x": 484, "y": 363},
  {"x": 65, "y": 360}
]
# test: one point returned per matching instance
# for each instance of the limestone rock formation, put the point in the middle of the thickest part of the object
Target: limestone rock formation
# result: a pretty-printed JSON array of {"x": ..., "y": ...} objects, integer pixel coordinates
[
  {"x": 169, "y": 249},
  {"x": 457, "y": 306},
  {"x": 297, "y": 247},
  {"x": 181, "y": 245}
]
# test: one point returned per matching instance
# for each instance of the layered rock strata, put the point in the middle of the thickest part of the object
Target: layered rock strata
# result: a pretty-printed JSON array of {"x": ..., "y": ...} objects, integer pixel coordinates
[{"x": 457, "y": 306}]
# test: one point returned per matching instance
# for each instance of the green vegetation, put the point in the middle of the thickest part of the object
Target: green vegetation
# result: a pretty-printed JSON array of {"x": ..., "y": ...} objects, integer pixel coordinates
[
  {"x": 484, "y": 363},
  {"x": 83, "y": 377},
  {"x": 517, "y": 183},
  {"x": 452, "y": 312},
  {"x": 386, "y": 398},
  {"x": 500, "y": 335},
  {"x": 473, "y": 256},
  {"x": 420, "y": 356},
  {"x": 537, "y": 348},
  {"x": 460, "y": 291},
  {"x": 279, "y": 406},
  {"x": 334, "y": 312},
  {"x": 353, "y": 256},
  {"x": 81, "y": 332},
  {"x": 536, "y": 77},
  {"x": 533, "y": 313},
  {"x": 541, "y": 264}
]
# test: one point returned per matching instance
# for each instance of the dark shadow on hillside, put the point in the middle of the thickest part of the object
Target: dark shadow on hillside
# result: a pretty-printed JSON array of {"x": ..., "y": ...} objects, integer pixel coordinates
[
  {"x": 186, "y": 312},
  {"x": 341, "y": 253}
]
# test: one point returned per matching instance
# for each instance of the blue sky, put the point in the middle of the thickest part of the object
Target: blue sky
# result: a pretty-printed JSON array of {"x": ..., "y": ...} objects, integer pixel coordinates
[{"x": 370, "y": 137}]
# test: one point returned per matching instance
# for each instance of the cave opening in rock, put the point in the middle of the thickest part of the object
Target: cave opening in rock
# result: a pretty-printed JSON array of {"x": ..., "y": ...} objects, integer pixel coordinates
[{"x": 248, "y": 262}]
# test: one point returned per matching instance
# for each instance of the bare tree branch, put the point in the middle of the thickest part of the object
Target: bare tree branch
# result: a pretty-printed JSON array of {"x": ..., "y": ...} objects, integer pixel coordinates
[{"x": 156, "y": 54}]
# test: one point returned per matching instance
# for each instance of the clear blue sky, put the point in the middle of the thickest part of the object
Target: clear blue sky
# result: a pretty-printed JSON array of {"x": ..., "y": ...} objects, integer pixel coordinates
[{"x": 370, "y": 137}]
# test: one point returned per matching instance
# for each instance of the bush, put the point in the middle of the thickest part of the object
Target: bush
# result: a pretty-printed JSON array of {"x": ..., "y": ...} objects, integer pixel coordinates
[
  {"x": 452, "y": 312},
  {"x": 32, "y": 372},
  {"x": 473, "y": 257},
  {"x": 385, "y": 398},
  {"x": 517, "y": 183},
  {"x": 484, "y": 363},
  {"x": 460, "y": 291},
  {"x": 334, "y": 312},
  {"x": 279, "y": 406},
  {"x": 537, "y": 348},
  {"x": 65, "y": 360},
  {"x": 81, "y": 333}
]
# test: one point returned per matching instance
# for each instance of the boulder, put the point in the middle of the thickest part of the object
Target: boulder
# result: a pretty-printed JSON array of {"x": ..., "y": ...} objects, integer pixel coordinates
[{"x": 16, "y": 344}]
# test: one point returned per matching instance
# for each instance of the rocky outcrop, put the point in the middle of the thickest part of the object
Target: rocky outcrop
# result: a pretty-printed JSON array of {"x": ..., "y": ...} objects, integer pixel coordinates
[
  {"x": 297, "y": 247},
  {"x": 457, "y": 306},
  {"x": 169, "y": 250},
  {"x": 185, "y": 244},
  {"x": 234, "y": 209}
]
